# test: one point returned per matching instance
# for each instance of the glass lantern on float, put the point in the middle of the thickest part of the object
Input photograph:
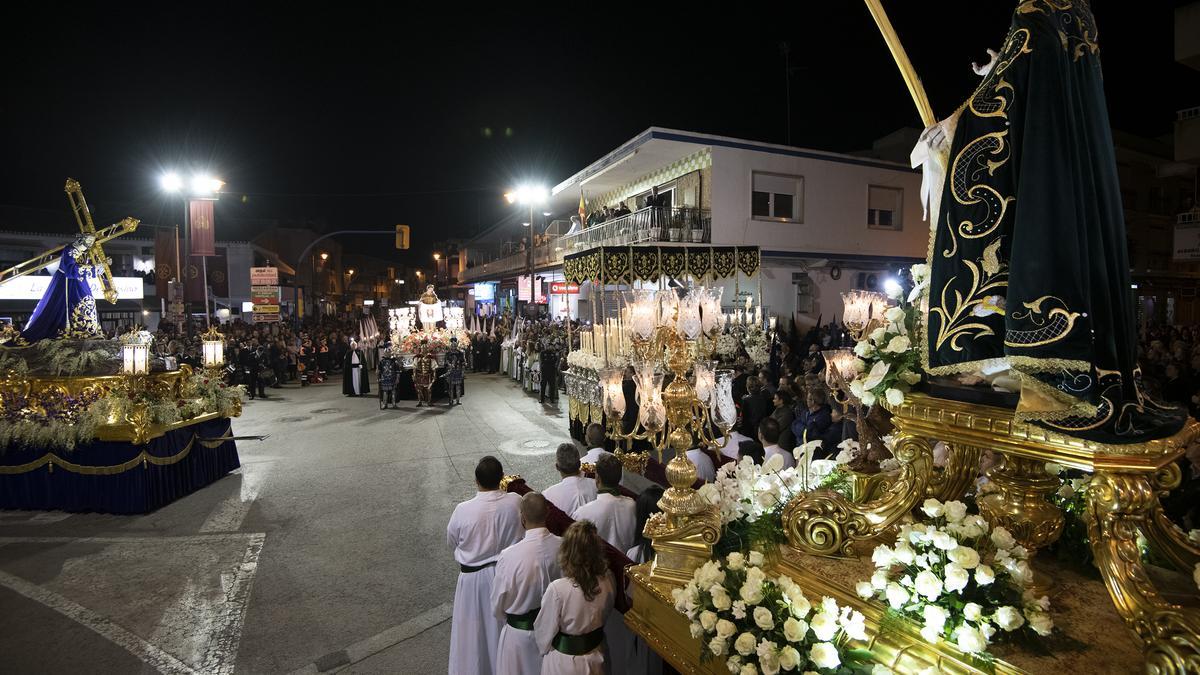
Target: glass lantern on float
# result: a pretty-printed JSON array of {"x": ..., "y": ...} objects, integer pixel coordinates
[
  {"x": 135, "y": 352},
  {"x": 669, "y": 333},
  {"x": 840, "y": 371},
  {"x": 213, "y": 348},
  {"x": 862, "y": 312},
  {"x": 429, "y": 309}
]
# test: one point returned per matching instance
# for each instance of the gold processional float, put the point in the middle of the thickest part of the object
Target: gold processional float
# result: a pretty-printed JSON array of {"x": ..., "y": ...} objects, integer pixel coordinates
[
  {"x": 129, "y": 374},
  {"x": 1124, "y": 620}
]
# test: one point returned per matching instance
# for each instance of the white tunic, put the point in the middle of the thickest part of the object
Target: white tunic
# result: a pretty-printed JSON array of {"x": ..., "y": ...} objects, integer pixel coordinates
[
  {"x": 570, "y": 493},
  {"x": 355, "y": 373},
  {"x": 705, "y": 470},
  {"x": 524, "y": 571},
  {"x": 789, "y": 459},
  {"x": 593, "y": 455},
  {"x": 615, "y": 518},
  {"x": 566, "y": 610},
  {"x": 479, "y": 530},
  {"x": 731, "y": 446}
]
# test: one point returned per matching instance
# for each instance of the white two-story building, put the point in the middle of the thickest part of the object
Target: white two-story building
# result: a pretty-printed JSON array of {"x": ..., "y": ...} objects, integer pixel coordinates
[{"x": 825, "y": 222}]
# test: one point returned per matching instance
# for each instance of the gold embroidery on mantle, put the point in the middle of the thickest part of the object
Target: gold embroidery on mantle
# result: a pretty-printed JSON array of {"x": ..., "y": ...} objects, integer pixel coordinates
[
  {"x": 1055, "y": 326},
  {"x": 956, "y": 322}
]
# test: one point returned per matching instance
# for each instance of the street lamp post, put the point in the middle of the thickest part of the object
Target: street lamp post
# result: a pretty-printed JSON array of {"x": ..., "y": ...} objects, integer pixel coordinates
[
  {"x": 530, "y": 196},
  {"x": 205, "y": 187}
]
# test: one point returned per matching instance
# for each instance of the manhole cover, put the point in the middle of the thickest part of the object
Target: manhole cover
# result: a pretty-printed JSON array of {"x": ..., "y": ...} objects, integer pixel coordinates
[
  {"x": 289, "y": 420},
  {"x": 536, "y": 444},
  {"x": 327, "y": 411}
]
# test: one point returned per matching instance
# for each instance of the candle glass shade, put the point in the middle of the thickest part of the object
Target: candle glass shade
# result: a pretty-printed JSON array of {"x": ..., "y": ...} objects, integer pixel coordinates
[
  {"x": 839, "y": 363},
  {"x": 611, "y": 381},
  {"x": 668, "y": 308},
  {"x": 771, "y": 323},
  {"x": 722, "y": 409},
  {"x": 652, "y": 414},
  {"x": 643, "y": 314},
  {"x": 689, "y": 324},
  {"x": 705, "y": 381},
  {"x": 711, "y": 318}
]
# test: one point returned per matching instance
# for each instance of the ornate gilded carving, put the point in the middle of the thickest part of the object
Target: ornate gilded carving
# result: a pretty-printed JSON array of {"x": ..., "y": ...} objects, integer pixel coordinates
[
  {"x": 959, "y": 474},
  {"x": 1019, "y": 502},
  {"x": 508, "y": 480},
  {"x": 1118, "y": 504},
  {"x": 826, "y": 523},
  {"x": 634, "y": 462}
]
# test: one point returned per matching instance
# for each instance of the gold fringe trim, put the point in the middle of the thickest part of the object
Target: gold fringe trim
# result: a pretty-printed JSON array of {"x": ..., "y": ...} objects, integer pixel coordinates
[{"x": 55, "y": 460}]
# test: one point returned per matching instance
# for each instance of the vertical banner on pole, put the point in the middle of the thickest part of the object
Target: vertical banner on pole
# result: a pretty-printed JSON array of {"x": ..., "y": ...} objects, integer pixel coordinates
[
  {"x": 203, "y": 232},
  {"x": 164, "y": 259}
]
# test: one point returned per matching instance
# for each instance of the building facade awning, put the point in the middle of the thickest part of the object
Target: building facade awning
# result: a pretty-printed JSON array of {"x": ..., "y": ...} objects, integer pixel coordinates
[{"x": 626, "y": 264}]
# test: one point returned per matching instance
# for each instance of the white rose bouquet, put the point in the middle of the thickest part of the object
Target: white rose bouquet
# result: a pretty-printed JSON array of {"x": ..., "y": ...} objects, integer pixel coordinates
[
  {"x": 958, "y": 580},
  {"x": 889, "y": 354},
  {"x": 766, "y": 625}
]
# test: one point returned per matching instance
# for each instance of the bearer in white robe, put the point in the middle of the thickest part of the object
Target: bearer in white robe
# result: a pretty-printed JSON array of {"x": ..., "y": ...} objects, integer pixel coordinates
[
  {"x": 595, "y": 440},
  {"x": 575, "y": 489},
  {"x": 614, "y": 514},
  {"x": 523, "y": 572},
  {"x": 615, "y": 517},
  {"x": 569, "y": 629},
  {"x": 479, "y": 530}
]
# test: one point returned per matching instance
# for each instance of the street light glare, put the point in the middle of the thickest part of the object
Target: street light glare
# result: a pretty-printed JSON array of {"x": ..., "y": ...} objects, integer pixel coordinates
[
  {"x": 202, "y": 184},
  {"x": 324, "y": 256},
  {"x": 171, "y": 182},
  {"x": 437, "y": 256},
  {"x": 528, "y": 195}
]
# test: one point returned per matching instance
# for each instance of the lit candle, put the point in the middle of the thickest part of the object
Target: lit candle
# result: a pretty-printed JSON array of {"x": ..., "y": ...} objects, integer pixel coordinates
[
  {"x": 749, "y": 301},
  {"x": 758, "y": 315}
]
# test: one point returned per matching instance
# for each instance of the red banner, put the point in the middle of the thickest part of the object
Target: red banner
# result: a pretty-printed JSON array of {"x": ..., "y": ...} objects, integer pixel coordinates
[
  {"x": 562, "y": 287},
  {"x": 164, "y": 259},
  {"x": 218, "y": 274},
  {"x": 193, "y": 279},
  {"x": 202, "y": 227}
]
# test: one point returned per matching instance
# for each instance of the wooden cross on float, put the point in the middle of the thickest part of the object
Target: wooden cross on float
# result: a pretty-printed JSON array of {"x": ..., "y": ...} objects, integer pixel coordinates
[{"x": 93, "y": 258}]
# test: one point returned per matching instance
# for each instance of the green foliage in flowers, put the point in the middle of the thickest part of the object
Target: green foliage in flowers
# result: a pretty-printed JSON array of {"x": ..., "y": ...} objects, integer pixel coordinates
[
  {"x": 65, "y": 357},
  {"x": 1073, "y": 546},
  {"x": 840, "y": 481},
  {"x": 743, "y": 535}
]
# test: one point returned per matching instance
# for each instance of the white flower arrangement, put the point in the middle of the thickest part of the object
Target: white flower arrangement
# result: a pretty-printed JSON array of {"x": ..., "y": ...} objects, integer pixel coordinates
[
  {"x": 764, "y": 625},
  {"x": 959, "y": 580},
  {"x": 890, "y": 353}
]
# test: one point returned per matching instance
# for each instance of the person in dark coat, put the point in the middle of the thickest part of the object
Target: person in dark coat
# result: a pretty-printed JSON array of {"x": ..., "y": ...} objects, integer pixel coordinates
[
  {"x": 494, "y": 355},
  {"x": 1176, "y": 389},
  {"x": 251, "y": 363},
  {"x": 755, "y": 407},
  {"x": 784, "y": 415},
  {"x": 812, "y": 422},
  {"x": 840, "y": 428}
]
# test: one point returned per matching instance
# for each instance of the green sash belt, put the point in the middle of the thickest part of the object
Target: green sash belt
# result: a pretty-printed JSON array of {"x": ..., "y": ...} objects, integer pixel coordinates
[
  {"x": 578, "y": 645},
  {"x": 523, "y": 621}
]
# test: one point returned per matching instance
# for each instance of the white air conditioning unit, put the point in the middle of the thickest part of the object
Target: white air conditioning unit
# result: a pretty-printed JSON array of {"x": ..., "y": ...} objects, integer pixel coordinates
[{"x": 868, "y": 281}]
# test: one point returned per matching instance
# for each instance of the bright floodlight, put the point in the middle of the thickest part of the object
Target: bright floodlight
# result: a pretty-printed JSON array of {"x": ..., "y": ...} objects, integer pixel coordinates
[
  {"x": 171, "y": 182},
  {"x": 202, "y": 184},
  {"x": 528, "y": 195},
  {"x": 892, "y": 288}
]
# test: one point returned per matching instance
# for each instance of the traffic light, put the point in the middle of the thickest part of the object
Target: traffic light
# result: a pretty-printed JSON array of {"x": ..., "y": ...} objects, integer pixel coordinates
[{"x": 402, "y": 237}]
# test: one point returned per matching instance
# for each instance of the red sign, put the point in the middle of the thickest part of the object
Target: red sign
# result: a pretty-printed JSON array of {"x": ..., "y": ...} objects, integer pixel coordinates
[
  {"x": 201, "y": 222},
  {"x": 563, "y": 288}
]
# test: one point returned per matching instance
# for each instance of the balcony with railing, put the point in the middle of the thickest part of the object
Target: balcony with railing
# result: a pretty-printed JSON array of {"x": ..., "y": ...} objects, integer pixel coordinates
[{"x": 655, "y": 224}]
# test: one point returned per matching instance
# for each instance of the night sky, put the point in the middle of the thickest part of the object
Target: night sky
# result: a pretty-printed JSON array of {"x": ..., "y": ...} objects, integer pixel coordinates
[{"x": 344, "y": 116}]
